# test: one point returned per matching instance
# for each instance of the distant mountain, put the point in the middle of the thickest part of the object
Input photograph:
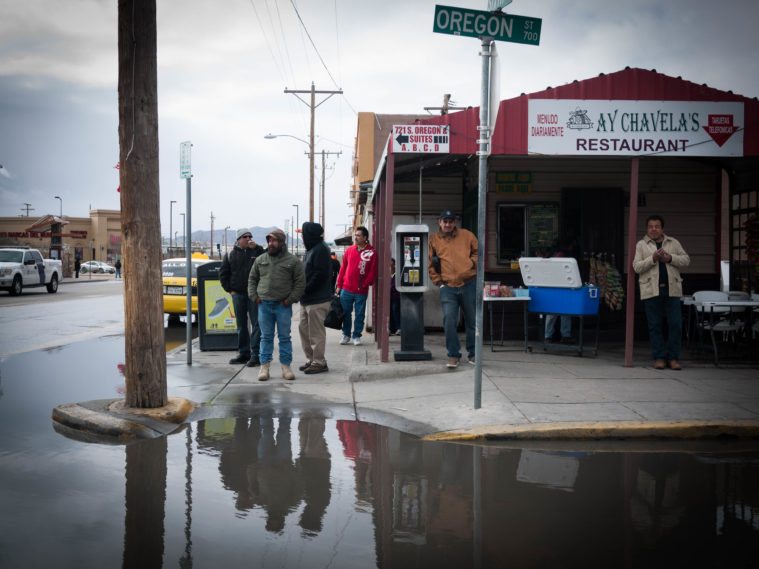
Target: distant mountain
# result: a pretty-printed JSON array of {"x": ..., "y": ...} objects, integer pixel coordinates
[{"x": 204, "y": 235}]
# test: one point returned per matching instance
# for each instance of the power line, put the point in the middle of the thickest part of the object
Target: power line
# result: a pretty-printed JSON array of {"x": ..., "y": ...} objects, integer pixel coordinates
[
  {"x": 313, "y": 44},
  {"x": 268, "y": 45},
  {"x": 284, "y": 42}
]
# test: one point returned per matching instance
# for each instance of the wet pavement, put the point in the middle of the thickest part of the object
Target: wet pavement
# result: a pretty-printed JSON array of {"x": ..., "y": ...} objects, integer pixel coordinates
[{"x": 277, "y": 477}]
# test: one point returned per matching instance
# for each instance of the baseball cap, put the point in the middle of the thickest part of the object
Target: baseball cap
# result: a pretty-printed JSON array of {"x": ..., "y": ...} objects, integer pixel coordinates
[{"x": 447, "y": 214}]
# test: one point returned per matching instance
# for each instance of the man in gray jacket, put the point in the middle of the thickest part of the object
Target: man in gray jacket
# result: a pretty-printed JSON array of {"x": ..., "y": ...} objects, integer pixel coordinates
[
  {"x": 658, "y": 260},
  {"x": 276, "y": 282}
]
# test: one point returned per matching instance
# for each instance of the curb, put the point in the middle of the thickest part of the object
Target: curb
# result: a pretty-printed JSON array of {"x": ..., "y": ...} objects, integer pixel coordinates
[
  {"x": 606, "y": 430},
  {"x": 110, "y": 419}
]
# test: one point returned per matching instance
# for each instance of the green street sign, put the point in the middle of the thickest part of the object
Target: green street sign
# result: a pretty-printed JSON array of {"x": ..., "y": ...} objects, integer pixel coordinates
[{"x": 496, "y": 25}]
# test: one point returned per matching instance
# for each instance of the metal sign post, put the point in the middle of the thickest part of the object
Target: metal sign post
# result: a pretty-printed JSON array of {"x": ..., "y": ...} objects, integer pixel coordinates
[
  {"x": 185, "y": 171},
  {"x": 488, "y": 27}
]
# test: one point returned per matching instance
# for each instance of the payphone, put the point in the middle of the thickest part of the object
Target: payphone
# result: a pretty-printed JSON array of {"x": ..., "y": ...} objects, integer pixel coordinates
[{"x": 411, "y": 280}]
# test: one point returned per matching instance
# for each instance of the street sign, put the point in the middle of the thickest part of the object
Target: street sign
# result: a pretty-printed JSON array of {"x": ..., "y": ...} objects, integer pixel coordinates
[
  {"x": 496, "y": 25},
  {"x": 421, "y": 138},
  {"x": 185, "y": 170}
]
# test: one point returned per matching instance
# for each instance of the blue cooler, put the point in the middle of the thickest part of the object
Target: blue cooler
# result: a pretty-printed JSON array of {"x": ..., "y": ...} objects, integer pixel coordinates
[{"x": 583, "y": 301}]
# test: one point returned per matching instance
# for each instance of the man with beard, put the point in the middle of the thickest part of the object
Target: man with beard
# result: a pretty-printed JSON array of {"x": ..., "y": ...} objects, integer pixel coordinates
[
  {"x": 316, "y": 298},
  {"x": 276, "y": 282}
]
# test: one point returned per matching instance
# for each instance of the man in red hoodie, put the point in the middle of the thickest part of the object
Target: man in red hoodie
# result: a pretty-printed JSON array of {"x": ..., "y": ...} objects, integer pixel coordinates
[{"x": 357, "y": 273}]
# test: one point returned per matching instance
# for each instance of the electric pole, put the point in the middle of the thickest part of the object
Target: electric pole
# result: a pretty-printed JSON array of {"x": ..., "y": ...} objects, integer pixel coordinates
[
  {"x": 145, "y": 353},
  {"x": 212, "y": 218},
  {"x": 312, "y": 106},
  {"x": 446, "y": 106},
  {"x": 27, "y": 207},
  {"x": 322, "y": 189}
]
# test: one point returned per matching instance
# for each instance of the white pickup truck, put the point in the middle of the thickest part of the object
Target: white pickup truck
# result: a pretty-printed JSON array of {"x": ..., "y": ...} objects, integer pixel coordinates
[{"x": 22, "y": 267}]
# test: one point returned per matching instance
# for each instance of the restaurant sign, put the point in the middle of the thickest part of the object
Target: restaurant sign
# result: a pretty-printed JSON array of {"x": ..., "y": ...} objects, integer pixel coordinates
[{"x": 635, "y": 128}]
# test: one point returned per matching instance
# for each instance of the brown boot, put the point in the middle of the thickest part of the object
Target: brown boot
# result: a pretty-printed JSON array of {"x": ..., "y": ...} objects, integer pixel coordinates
[
  {"x": 660, "y": 364},
  {"x": 675, "y": 365},
  {"x": 263, "y": 373},
  {"x": 287, "y": 373}
]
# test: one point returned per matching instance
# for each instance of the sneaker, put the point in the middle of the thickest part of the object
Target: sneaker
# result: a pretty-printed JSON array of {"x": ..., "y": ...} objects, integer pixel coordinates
[
  {"x": 263, "y": 373},
  {"x": 356, "y": 341},
  {"x": 345, "y": 341},
  {"x": 287, "y": 373},
  {"x": 452, "y": 363},
  {"x": 253, "y": 361},
  {"x": 316, "y": 368},
  {"x": 241, "y": 359},
  {"x": 470, "y": 360},
  {"x": 304, "y": 367}
]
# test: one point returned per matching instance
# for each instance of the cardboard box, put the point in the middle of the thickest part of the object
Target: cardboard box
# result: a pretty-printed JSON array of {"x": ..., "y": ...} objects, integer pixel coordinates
[{"x": 581, "y": 301}]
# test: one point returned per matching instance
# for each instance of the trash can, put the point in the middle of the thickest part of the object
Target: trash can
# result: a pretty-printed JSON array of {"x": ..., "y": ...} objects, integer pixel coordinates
[{"x": 217, "y": 325}]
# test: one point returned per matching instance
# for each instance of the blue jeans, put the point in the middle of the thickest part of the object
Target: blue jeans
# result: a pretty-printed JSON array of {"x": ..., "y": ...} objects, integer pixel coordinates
[
  {"x": 453, "y": 298},
  {"x": 658, "y": 308},
  {"x": 245, "y": 309},
  {"x": 565, "y": 326},
  {"x": 271, "y": 313},
  {"x": 348, "y": 300}
]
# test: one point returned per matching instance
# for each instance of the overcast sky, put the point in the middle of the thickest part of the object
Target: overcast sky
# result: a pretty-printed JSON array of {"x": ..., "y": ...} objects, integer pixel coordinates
[{"x": 223, "y": 66}]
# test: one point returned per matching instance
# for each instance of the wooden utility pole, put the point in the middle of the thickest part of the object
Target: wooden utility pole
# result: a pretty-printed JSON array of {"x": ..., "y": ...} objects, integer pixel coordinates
[
  {"x": 211, "y": 252},
  {"x": 312, "y": 106},
  {"x": 145, "y": 355},
  {"x": 323, "y": 188}
]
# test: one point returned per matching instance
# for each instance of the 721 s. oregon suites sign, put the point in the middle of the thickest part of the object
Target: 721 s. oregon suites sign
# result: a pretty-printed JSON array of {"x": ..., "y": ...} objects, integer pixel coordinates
[
  {"x": 421, "y": 138},
  {"x": 635, "y": 128}
]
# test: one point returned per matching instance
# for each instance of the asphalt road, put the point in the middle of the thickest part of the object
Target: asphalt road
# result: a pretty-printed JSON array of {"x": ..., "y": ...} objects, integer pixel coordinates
[{"x": 78, "y": 311}]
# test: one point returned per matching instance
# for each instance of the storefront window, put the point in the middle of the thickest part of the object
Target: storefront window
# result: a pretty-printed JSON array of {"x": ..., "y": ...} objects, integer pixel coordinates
[{"x": 526, "y": 230}]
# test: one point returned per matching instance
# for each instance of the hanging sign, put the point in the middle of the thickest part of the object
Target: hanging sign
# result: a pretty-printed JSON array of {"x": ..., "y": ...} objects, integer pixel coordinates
[
  {"x": 635, "y": 128},
  {"x": 421, "y": 138},
  {"x": 185, "y": 169}
]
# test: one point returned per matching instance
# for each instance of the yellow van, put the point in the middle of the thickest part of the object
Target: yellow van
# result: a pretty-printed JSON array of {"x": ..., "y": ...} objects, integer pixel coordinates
[{"x": 175, "y": 281}]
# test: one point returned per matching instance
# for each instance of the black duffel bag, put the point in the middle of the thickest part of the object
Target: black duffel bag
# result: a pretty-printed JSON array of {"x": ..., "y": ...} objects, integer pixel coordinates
[{"x": 334, "y": 317}]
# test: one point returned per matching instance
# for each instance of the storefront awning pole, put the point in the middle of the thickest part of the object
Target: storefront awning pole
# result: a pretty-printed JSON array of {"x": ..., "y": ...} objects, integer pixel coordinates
[
  {"x": 632, "y": 230},
  {"x": 482, "y": 153},
  {"x": 385, "y": 251}
]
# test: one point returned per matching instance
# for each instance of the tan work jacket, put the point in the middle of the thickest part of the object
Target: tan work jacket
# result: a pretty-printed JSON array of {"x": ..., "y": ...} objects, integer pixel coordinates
[
  {"x": 458, "y": 257},
  {"x": 648, "y": 269}
]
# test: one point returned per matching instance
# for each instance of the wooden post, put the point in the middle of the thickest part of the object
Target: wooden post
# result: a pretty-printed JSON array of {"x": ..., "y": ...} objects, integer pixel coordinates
[
  {"x": 632, "y": 239},
  {"x": 145, "y": 371}
]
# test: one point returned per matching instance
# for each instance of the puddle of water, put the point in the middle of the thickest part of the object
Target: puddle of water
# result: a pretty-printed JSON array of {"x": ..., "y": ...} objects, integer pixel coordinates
[{"x": 274, "y": 490}]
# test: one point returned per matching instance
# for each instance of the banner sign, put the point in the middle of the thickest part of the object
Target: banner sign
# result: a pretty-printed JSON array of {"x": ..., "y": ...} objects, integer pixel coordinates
[
  {"x": 589, "y": 127},
  {"x": 421, "y": 138},
  {"x": 219, "y": 309}
]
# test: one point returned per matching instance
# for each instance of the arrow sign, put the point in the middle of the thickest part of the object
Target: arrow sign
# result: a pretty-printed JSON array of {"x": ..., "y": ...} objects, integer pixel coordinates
[
  {"x": 421, "y": 138},
  {"x": 496, "y": 25}
]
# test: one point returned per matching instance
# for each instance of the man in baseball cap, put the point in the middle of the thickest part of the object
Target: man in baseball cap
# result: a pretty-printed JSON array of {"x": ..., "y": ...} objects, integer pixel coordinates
[
  {"x": 235, "y": 268},
  {"x": 453, "y": 268}
]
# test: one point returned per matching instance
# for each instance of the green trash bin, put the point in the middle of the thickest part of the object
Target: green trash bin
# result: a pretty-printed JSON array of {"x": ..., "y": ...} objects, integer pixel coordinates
[{"x": 217, "y": 326}]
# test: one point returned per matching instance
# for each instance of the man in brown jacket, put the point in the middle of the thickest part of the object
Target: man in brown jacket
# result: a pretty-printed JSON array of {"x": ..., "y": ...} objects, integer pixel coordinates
[
  {"x": 453, "y": 268},
  {"x": 658, "y": 260}
]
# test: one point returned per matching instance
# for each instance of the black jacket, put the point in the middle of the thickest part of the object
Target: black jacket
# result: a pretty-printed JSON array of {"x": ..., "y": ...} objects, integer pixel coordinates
[
  {"x": 235, "y": 268},
  {"x": 317, "y": 264}
]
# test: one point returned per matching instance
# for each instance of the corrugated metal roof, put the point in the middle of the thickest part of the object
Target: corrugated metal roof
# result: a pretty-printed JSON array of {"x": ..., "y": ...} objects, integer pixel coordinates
[{"x": 510, "y": 133}]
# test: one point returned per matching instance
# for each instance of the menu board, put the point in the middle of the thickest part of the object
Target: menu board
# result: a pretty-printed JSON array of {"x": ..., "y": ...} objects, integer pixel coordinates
[{"x": 542, "y": 226}]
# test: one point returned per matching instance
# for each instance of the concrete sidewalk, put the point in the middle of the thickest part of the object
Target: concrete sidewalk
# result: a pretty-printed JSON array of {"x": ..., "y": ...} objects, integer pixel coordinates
[{"x": 524, "y": 395}]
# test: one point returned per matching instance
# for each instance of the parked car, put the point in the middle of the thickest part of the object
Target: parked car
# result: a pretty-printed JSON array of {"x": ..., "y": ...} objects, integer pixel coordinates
[
  {"x": 97, "y": 267},
  {"x": 175, "y": 283},
  {"x": 24, "y": 267}
]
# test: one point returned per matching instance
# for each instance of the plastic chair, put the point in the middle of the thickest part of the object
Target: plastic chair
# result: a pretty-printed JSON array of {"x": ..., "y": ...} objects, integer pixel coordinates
[{"x": 715, "y": 318}]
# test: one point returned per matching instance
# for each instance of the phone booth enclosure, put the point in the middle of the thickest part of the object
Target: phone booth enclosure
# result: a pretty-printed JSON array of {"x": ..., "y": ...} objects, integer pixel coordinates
[{"x": 411, "y": 253}]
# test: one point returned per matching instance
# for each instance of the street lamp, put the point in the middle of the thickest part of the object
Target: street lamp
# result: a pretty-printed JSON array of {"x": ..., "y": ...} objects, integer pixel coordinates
[
  {"x": 171, "y": 219},
  {"x": 297, "y": 226},
  {"x": 60, "y": 198},
  {"x": 184, "y": 230},
  {"x": 225, "y": 238},
  {"x": 310, "y": 145}
]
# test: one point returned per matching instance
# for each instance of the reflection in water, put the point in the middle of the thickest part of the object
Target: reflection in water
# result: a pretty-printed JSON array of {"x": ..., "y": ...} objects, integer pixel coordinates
[
  {"x": 257, "y": 464},
  {"x": 274, "y": 491},
  {"x": 145, "y": 502}
]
